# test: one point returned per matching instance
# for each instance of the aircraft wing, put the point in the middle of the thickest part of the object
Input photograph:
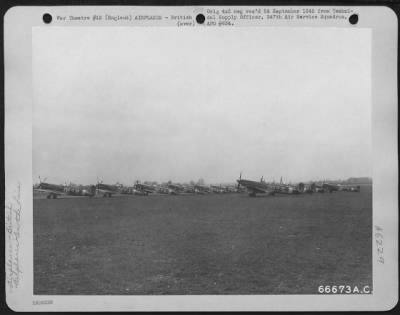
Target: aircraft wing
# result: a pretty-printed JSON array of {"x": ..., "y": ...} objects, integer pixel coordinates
[
  {"x": 103, "y": 190},
  {"x": 144, "y": 188},
  {"x": 256, "y": 187},
  {"x": 49, "y": 191}
]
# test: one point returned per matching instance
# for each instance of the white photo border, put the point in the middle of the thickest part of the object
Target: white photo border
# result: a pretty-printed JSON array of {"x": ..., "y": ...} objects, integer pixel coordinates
[{"x": 18, "y": 24}]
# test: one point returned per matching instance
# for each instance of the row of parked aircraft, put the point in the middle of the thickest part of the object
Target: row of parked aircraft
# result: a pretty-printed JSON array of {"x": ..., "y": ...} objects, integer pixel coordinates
[
  {"x": 143, "y": 189},
  {"x": 262, "y": 187}
]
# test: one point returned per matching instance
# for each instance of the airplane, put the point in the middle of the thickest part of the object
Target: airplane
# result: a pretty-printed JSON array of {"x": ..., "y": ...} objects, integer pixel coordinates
[
  {"x": 201, "y": 189},
  {"x": 89, "y": 191},
  {"x": 254, "y": 187},
  {"x": 163, "y": 189},
  {"x": 286, "y": 188},
  {"x": 330, "y": 187},
  {"x": 52, "y": 190},
  {"x": 80, "y": 190},
  {"x": 317, "y": 188},
  {"x": 189, "y": 189},
  {"x": 229, "y": 188},
  {"x": 175, "y": 189},
  {"x": 305, "y": 188},
  {"x": 350, "y": 188},
  {"x": 106, "y": 189},
  {"x": 144, "y": 189},
  {"x": 124, "y": 190},
  {"x": 218, "y": 189}
]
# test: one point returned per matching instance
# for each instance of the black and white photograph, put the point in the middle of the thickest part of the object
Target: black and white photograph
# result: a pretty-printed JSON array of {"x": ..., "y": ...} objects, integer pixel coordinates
[
  {"x": 201, "y": 158},
  {"x": 181, "y": 144}
]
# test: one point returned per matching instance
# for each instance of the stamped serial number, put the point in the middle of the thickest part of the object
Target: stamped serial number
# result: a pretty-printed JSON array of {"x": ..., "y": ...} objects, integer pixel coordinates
[
  {"x": 41, "y": 302},
  {"x": 344, "y": 289},
  {"x": 379, "y": 244}
]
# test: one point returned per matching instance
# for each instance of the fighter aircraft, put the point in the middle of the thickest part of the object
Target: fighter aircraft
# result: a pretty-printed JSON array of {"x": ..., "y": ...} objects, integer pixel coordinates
[
  {"x": 189, "y": 189},
  {"x": 175, "y": 189},
  {"x": 107, "y": 190},
  {"x": 80, "y": 190},
  {"x": 330, "y": 187},
  {"x": 230, "y": 188},
  {"x": 305, "y": 188},
  {"x": 163, "y": 189},
  {"x": 286, "y": 189},
  {"x": 89, "y": 191},
  {"x": 201, "y": 189},
  {"x": 254, "y": 187},
  {"x": 124, "y": 190},
  {"x": 350, "y": 188},
  {"x": 144, "y": 189},
  {"x": 317, "y": 188},
  {"x": 218, "y": 189},
  {"x": 52, "y": 190}
]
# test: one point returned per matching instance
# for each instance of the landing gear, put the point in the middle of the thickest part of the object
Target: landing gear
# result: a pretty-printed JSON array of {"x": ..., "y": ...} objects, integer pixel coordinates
[
  {"x": 252, "y": 194},
  {"x": 52, "y": 196},
  {"x": 105, "y": 195}
]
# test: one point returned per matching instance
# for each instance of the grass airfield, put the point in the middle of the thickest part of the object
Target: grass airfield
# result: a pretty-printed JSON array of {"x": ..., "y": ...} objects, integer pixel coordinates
[{"x": 202, "y": 244}]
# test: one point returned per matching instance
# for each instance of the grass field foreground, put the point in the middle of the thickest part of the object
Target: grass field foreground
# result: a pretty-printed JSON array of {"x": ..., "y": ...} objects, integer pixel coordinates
[{"x": 212, "y": 244}]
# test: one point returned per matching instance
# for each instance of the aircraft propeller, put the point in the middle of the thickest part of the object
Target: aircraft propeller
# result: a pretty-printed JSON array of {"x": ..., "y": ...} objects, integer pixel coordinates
[
  {"x": 42, "y": 181},
  {"x": 240, "y": 179}
]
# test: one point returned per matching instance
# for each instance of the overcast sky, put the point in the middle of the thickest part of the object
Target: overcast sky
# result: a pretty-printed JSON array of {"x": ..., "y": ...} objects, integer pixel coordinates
[{"x": 167, "y": 103}]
